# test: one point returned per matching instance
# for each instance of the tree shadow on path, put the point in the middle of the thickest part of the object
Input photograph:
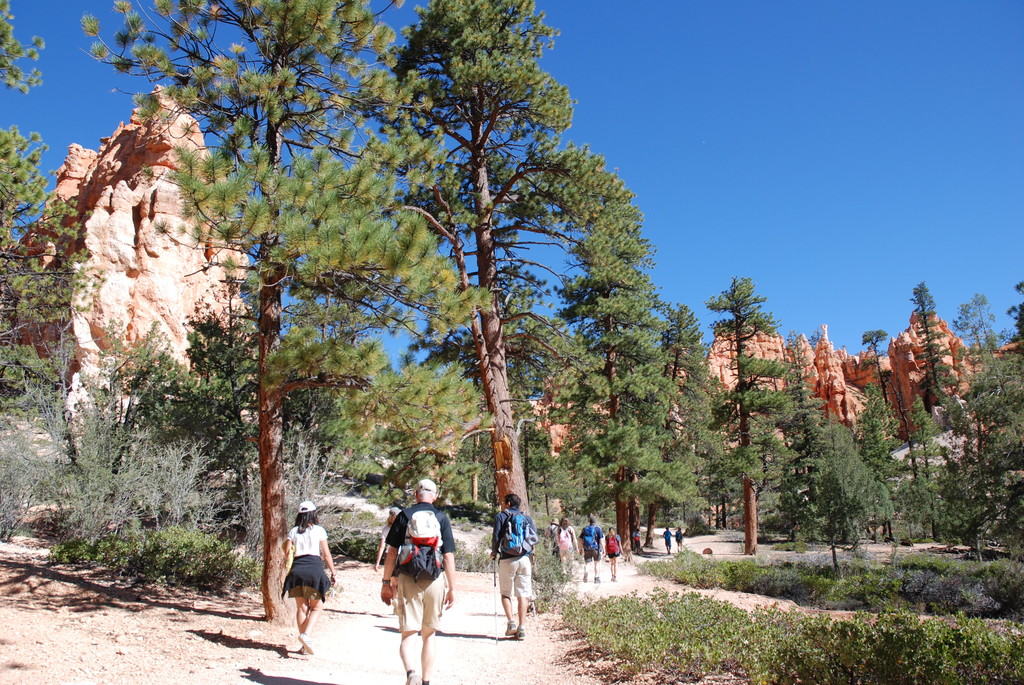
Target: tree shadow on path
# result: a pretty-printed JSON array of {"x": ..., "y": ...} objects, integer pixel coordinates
[
  {"x": 232, "y": 642},
  {"x": 257, "y": 676},
  {"x": 32, "y": 579}
]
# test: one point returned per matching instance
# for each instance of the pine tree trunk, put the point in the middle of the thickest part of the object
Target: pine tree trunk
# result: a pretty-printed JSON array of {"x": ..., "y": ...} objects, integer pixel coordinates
[
  {"x": 749, "y": 516},
  {"x": 271, "y": 425},
  {"x": 488, "y": 334},
  {"x": 652, "y": 518}
]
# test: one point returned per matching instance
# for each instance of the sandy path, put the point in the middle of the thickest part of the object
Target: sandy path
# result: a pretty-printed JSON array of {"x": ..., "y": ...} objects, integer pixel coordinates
[{"x": 60, "y": 625}]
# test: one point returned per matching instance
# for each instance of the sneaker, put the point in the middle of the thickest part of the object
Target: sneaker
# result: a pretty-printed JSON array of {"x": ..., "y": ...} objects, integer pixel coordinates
[
  {"x": 597, "y": 580},
  {"x": 584, "y": 577},
  {"x": 521, "y": 633},
  {"x": 510, "y": 629},
  {"x": 413, "y": 679},
  {"x": 307, "y": 643}
]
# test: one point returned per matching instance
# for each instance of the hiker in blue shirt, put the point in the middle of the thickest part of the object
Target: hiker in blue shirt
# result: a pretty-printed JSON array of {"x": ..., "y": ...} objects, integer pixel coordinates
[
  {"x": 514, "y": 538},
  {"x": 590, "y": 547},
  {"x": 668, "y": 540}
]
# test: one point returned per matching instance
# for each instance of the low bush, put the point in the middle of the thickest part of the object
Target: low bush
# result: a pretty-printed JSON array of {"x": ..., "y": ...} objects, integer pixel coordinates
[
  {"x": 173, "y": 556},
  {"x": 552, "y": 584},
  {"x": 474, "y": 559},
  {"x": 800, "y": 547},
  {"x": 940, "y": 586},
  {"x": 689, "y": 636},
  {"x": 359, "y": 544}
]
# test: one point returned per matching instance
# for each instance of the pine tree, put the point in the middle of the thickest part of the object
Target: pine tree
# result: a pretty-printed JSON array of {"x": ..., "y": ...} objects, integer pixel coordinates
[
  {"x": 845, "y": 493},
  {"x": 982, "y": 487},
  {"x": 13, "y": 50},
  {"x": 938, "y": 374},
  {"x": 618, "y": 405},
  {"x": 290, "y": 196},
  {"x": 37, "y": 277},
  {"x": 695, "y": 443},
  {"x": 505, "y": 184},
  {"x": 756, "y": 395},
  {"x": 1017, "y": 312}
]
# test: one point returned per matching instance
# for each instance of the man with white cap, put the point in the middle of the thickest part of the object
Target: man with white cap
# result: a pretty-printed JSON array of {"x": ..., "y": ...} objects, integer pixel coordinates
[{"x": 422, "y": 582}]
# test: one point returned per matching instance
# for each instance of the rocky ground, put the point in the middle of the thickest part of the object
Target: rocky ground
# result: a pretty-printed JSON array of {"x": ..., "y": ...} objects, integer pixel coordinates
[{"x": 62, "y": 625}]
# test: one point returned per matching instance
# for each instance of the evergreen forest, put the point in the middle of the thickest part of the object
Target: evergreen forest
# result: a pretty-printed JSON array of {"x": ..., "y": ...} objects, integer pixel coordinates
[{"x": 423, "y": 188}]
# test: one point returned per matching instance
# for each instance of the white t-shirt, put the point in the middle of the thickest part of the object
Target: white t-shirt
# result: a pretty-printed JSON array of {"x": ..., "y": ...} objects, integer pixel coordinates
[
  {"x": 384, "y": 532},
  {"x": 308, "y": 542}
]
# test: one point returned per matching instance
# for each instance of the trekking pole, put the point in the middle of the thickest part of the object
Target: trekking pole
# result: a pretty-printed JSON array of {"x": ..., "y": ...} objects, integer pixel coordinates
[{"x": 494, "y": 594}]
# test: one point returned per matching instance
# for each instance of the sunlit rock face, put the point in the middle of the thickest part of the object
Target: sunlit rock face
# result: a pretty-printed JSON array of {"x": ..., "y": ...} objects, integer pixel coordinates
[
  {"x": 146, "y": 271},
  {"x": 840, "y": 379}
]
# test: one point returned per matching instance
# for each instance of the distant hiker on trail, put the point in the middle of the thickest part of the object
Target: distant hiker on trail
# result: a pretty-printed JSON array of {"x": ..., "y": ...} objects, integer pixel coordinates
[
  {"x": 306, "y": 580},
  {"x": 419, "y": 577},
  {"x": 613, "y": 546},
  {"x": 392, "y": 514},
  {"x": 590, "y": 547},
  {"x": 668, "y": 540},
  {"x": 637, "y": 547},
  {"x": 514, "y": 538},
  {"x": 679, "y": 540},
  {"x": 552, "y": 533},
  {"x": 566, "y": 543}
]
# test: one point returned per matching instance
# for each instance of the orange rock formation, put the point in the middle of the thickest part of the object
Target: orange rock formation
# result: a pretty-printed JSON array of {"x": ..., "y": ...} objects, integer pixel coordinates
[{"x": 149, "y": 272}]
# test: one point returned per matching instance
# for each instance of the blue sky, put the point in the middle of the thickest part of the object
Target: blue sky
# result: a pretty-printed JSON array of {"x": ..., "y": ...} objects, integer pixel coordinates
[{"x": 837, "y": 153}]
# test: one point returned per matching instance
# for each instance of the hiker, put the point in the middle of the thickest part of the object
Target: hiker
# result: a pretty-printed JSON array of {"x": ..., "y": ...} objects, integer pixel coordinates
[
  {"x": 306, "y": 580},
  {"x": 613, "y": 547},
  {"x": 637, "y": 547},
  {"x": 590, "y": 547},
  {"x": 514, "y": 538},
  {"x": 419, "y": 577},
  {"x": 668, "y": 540},
  {"x": 566, "y": 542},
  {"x": 679, "y": 540},
  {"x": 552, "y": 534},
  {"x": 393, "y": 512}
]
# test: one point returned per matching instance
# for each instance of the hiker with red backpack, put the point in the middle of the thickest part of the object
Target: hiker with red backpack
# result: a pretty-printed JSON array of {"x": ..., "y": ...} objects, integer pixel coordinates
[
  {"x": 419, "y": 577},
  {"x": 513, "y": 540},
  {"x": 613, "y": 548},
  {"x": 590, "y": 547}
]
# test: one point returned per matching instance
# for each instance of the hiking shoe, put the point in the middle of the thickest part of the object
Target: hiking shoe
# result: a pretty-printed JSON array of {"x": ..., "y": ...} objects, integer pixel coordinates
[
  {"x": 521, "y": 633},
  {"x": 413, "y": 679},
  {"x": 307, "y": 643},
  {"x": 510, "y": 629},
  {"x": 584, "y": 577}
]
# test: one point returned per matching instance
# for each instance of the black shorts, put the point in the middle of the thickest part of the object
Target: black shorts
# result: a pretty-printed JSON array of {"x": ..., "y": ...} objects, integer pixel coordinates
[{"x": 591, "y": 554}]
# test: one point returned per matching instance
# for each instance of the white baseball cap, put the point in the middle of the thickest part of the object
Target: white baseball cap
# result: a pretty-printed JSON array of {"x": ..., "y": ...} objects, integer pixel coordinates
[
  {"x": 426, "y": 485},
  {"x": 306, "y": 507}
]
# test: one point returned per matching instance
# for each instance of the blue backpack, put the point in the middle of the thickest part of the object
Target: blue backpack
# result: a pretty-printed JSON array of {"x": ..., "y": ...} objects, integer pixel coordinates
[
  {"x": 591, "y": 537},
  {"x": 517, "y": 537}
]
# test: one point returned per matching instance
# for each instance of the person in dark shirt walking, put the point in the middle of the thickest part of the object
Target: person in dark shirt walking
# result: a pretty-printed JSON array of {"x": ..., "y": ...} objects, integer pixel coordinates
[{"x": 512, "y": 542}]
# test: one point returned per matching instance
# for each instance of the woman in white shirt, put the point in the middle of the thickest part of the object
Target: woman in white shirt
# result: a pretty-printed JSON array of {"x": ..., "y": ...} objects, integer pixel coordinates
[{"x": 306, "y": 581}]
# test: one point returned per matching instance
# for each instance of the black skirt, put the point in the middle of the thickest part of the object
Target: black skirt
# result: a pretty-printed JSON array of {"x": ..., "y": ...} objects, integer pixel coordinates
[{"x": 307, "y": 571}]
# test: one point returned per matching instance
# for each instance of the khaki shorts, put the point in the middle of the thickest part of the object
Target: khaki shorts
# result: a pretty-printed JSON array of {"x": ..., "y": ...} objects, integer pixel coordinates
[
  {"x": 419, "y": 603},
  {"x": 516, "y": 574},
  {"x": 304, "y": 591}
]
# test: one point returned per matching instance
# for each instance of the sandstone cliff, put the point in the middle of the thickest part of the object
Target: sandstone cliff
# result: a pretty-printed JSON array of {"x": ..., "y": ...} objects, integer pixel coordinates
[
  {"x": 147, "y": 272},
  {"x": 840, "y": 379}
]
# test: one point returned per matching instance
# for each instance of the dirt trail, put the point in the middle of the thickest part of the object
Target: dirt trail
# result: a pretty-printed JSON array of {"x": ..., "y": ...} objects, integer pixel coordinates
[
  {"x": 69, "y": 626},
  {"x": 61, "y": 625}
]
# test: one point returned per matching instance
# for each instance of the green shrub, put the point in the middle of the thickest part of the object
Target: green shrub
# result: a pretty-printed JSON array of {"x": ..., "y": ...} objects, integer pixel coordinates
[
  {"x": 476, "y": 559},
  {"x": 20, "y": 478},
  {"x": 359, "y": 544},
  {"x": 1004, "y": 582},
  {"x": 552, "y": 584},
  {"x": 799, "y": 547},
  {"x": 173, "y": 556},
  {"x": 689, "y": 636}
]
